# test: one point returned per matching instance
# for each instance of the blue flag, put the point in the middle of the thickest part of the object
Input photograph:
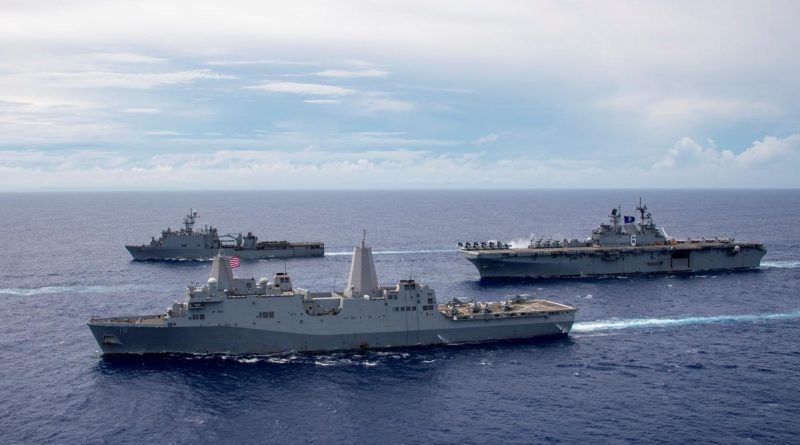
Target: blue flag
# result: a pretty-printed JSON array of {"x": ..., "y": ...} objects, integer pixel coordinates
[{"x": 629, "y": 219}]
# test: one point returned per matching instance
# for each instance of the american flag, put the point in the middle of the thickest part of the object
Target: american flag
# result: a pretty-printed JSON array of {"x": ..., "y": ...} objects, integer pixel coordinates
[{"x": 234, "y": 261}]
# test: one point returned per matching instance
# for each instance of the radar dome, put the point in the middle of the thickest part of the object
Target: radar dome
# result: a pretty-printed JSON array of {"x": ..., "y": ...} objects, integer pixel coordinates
[
  {"x": 263, "y": 282},
  {"x": 212, "y": 283}
]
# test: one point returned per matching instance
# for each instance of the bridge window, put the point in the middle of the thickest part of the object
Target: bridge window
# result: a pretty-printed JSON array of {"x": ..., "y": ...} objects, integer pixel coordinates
[{"x": 269, "y": 314}]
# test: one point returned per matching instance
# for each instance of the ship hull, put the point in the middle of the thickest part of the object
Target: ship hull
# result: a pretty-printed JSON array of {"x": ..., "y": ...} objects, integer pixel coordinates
[
  {"x": 530, "y": 263},
  {"x": 161, "y": 339},
  {"x": 159, "y": 253}
]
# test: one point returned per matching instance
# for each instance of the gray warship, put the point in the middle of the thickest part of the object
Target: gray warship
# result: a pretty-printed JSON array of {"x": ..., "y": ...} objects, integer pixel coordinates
[
  {"x": 231, "y": 315},
  {"x": 188, "y": 243},
  {"x": 621, "y": 246}
]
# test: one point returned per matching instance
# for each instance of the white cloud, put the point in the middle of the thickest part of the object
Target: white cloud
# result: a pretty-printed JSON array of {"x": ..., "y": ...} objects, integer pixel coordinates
[
  {"x": 321, "y": 101},
  {"x": 376, "y": 102},
  {"x": 771, "y": 148},
  {"x": 26, "y": 120},
  {"x": 99, "y": 79},
  {"x": 162, "y": 133},
  {"x": 321, "y": 169},
  {"x": 259, "y": 62},
  {"x": 531, "y": 68},
  {"x": 142, "y": 110},
  {"x": 368, "y": 100},
  {"x": 125, "y": 57},
  {"x": 667, "y": 111},
  {"x": 688, "y": 154},
  {"x": 489, "y": 138},
  {"x": 313, "y": 89},
  {"x": 347, "y": 74}
]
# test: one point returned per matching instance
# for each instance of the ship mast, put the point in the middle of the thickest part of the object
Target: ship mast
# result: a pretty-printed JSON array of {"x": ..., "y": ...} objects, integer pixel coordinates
[
  {"x": 363, "y": 279},
  {"x": 642, "y": 209},
  {"x": 188, "y": 221}
]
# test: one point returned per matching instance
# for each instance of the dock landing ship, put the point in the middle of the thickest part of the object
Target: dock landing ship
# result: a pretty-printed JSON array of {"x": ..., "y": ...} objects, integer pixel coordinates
[
  {"x": 624, "y": 245},
  {"x": 188, "y": 243},
  {"x": 232, "y": 315}
]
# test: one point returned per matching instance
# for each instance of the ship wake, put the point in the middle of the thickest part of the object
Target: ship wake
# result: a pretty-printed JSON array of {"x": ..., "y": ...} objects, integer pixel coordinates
[
  {"x": 638, "y": 323},
  {"x": 781, "y": 264},
  {"x": 394, "y": 252},
  {"x": 23, "y": 291}
]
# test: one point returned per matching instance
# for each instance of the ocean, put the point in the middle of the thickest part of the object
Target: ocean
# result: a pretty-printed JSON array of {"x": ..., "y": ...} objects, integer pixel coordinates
[{"x": 711, "y": 358}]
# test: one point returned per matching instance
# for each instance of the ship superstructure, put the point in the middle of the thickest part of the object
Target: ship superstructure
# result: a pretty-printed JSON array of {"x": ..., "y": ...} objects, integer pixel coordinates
[
  {"x": 624, "y": 245},
  {"x": 235, "y": 315},
  {"x": 190, "y": 243}
]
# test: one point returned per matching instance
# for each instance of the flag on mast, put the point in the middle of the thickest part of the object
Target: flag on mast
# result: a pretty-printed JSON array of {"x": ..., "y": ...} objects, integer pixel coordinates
[{"x": 234, "y": 262}]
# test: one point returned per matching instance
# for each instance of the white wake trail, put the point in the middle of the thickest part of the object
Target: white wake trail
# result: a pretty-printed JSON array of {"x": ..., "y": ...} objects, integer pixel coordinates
[
  {"x": 393, "y": 252},
  {"x": 614, "y": 325},
  {"x": 781, "y": 264},
  {"x": 54, "y": 290}
]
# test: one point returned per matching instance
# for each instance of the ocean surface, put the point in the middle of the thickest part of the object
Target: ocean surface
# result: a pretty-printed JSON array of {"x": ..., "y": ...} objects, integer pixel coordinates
[{"x": 710, "y": 358}]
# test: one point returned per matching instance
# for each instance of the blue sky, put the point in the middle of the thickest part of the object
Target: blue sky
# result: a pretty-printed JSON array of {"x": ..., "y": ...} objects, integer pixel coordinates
[{"x": 194, "y": 95}]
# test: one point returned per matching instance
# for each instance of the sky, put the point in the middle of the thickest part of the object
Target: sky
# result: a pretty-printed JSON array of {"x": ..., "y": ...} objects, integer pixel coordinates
[{"x": 262, "y": 95}]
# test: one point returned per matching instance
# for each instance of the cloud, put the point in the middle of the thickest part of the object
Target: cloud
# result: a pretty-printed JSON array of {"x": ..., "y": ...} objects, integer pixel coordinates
[
  {"x": 377, "y": 102},
  {"x": 125, "y": 57},
  {"x": 321, "y": 101},
  {"x": 489, "y": 138},
  {"x": 320, "y": 169},
  {"x": 142, "y": 110},
  {"x": 667, "y": 111},
  {"x": 163, "y": 133},
  {"x": 771, "y": 148},
  {"x": 47, "y": 120},
  {"x": 689, "y": 165},
  {"x": 689, "y": 154},
  {"x": 259, "y": 62},
  {"x": 313, "y": 89},
  {"x": 346, "y": 74},
  {"x": 368, "y": 100},
  {"x": 540, "y": 71},
  {"x": 99, "y": 79}
]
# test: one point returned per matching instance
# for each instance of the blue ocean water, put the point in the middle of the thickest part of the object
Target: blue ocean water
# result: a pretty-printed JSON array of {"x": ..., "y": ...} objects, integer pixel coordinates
[{"x": 711, "y": 358}]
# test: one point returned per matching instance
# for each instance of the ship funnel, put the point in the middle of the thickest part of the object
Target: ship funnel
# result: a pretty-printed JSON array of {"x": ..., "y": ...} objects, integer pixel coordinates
[
  {"x": 221, "y": 271},
  {"x": 363, "y": 280}
]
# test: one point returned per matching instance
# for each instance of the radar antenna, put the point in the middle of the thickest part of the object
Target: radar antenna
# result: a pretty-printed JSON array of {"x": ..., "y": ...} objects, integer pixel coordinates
[
  {"x": 188, "y": 221},
  {"x": 642, "y": 209}
]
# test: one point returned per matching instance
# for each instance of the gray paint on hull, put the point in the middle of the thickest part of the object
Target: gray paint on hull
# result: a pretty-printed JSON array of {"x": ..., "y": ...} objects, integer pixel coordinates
[
  {"x": 628, "y": 262},
  {"x": 141, "y": 339},
  {"x": 144, "y": 253}
]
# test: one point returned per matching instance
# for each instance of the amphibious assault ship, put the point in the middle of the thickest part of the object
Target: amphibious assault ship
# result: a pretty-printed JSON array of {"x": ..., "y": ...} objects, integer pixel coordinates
[
  {"x": 188, "y": 243},
  {"x": 234, "y": 315},
  {"x": 622, "y": 246}
]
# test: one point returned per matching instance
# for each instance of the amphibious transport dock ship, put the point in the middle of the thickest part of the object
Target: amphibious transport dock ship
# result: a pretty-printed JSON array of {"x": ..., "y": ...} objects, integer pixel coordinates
[
  {"x": 241, "y": 315},
  {"x": 622, "y": 246},
  {"x": 187, "y": 243}
]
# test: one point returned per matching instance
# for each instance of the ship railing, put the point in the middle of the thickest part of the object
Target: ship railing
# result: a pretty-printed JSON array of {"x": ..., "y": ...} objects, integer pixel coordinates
[
  {"x": 498, "y": 315},
  {"x": 128, "y": 319}
]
